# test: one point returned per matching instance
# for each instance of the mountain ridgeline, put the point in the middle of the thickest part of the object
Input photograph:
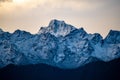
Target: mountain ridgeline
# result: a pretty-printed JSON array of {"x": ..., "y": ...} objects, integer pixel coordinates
[{"x": 60, "y": 45}]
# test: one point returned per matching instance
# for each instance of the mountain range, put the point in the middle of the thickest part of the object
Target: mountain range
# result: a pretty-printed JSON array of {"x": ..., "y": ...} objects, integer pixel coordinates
[{"x": 60, "y": 45}]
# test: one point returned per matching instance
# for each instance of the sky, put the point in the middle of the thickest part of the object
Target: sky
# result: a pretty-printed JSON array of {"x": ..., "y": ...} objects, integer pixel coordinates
[{"x": 93, "y": 15}]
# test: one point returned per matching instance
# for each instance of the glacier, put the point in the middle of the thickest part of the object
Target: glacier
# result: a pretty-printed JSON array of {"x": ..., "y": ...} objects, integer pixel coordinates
[{"x": 59, "y": 44}]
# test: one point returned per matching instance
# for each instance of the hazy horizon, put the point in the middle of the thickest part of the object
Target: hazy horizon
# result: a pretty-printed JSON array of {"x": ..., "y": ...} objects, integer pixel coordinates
[{"x": 93, "y": 15}]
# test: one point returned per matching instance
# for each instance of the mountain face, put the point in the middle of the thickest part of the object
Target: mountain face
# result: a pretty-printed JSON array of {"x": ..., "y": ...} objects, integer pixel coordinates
[{"x": 60, "y": 44}]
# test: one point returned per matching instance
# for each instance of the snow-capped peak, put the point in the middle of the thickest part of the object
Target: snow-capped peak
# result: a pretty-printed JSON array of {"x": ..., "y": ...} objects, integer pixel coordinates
[
  {"x": 56, "y": 22},
  {"x": 57, "y": 28},
  {"x": 113, "y": 37}
]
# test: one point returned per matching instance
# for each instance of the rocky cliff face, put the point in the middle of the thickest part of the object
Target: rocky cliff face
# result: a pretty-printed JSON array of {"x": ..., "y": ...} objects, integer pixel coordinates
[{"x": 59, "y": 44}]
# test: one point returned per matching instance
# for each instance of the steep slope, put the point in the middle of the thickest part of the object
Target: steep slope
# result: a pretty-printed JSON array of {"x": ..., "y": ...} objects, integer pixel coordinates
[{"x": 75, "y": 50}]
